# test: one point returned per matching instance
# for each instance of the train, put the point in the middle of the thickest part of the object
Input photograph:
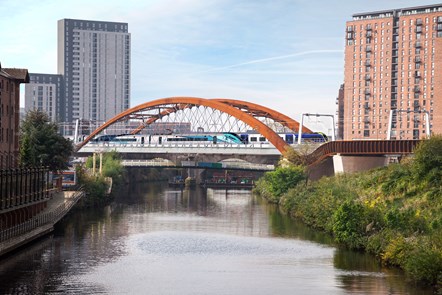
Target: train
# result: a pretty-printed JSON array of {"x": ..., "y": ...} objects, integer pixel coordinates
[
  {"x": 227, "y": 137},
  {"x": 290, "y": 138},
  {"x": 214, "y": 138}
]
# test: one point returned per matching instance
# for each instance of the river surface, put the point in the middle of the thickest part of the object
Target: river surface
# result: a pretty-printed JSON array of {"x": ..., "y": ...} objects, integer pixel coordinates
[{"x": 158, "y": 240}]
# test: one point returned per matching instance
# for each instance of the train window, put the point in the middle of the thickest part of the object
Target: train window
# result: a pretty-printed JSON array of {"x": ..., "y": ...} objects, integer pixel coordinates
[
  {"x": 253, "y": 139},
  {"x": 289, "y": 138},
  {"x": 262, "y": 138}
]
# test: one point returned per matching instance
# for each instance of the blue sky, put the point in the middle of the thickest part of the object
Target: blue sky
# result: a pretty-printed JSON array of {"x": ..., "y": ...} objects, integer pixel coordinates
[{"x": 284, "y": 54}]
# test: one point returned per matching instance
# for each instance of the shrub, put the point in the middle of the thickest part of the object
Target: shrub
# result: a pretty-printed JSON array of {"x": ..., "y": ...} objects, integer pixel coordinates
[
  {"x": 349, "y": 223},
  {"x": 428, "y": 160},
  {"x": 284, "y": 178}
]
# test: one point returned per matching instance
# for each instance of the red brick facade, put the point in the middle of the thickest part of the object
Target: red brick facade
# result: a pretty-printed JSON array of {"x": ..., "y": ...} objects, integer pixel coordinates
[
  {"x": 393, "y": 61},
  {"x": 10, "y": 80}
]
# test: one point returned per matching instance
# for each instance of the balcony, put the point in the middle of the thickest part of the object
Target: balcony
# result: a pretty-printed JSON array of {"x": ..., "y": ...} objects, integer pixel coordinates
[
  {"x": 417, "y": 59},
  {"x": 439, "y": 19},
  {"x": 417, "y": 74},
  {"x": 419, "y": 22},
  {"x": 368, "y": 27},
  {"x": 416, "y": 89},
  {"x": 418, "y": 30},
  {"x": 369, "y": 34},
  {"x": 418, "y": 44},
  {"x": 368, "y": 63},
  {"x": 367, "y": 91},
  {"x": 368, "y": 48},
  {"x": 367, "y": 77}
]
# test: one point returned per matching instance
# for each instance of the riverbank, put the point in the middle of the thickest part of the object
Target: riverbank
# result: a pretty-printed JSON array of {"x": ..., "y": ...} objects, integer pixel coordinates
[
  {"x": 40, "y": 225},
  {"x": 394, "y": 212}
]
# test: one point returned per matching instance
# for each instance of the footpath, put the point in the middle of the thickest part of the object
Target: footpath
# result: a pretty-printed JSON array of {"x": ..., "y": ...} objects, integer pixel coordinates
[{"x": 57, "y": 207}]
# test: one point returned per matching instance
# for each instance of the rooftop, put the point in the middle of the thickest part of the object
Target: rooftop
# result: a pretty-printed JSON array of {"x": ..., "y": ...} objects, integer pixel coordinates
[{"x": 399, "y": 12}]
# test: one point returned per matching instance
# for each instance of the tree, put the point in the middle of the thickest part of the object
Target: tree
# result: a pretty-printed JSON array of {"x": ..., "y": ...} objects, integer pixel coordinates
[{"x": 41, "y": 145}]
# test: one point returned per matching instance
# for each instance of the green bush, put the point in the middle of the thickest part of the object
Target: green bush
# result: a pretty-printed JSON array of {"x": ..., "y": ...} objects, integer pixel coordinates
[
  {"x": 349, "y": 223},
  {"x": 428, "y": 161},
  {"x": 284, "y": 178}
]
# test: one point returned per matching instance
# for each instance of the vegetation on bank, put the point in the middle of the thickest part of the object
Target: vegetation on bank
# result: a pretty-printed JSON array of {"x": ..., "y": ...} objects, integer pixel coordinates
[
  {"x": 96, "y": 185},
  {"x": 394, "y": 212}
]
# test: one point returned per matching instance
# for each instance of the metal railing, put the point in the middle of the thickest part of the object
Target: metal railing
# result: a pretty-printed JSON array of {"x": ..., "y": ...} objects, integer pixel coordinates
[{"x": 42, "y": 219}]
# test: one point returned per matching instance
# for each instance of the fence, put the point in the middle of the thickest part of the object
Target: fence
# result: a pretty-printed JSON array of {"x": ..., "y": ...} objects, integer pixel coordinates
[
  {"x": 20, "y": 186},
  {"x": 47, "y": 218}
]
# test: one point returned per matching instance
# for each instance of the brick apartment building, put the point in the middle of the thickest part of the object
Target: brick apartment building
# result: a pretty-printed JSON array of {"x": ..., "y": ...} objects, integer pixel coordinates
[
  {"x": 10, "y": 80},
  {"x": 393, "y": 74}
]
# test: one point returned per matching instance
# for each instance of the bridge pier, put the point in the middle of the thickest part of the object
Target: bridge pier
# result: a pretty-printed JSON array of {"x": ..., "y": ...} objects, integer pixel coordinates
[
  {"x": 346, "y": 164},
  {"x": 349, "y": 164}
]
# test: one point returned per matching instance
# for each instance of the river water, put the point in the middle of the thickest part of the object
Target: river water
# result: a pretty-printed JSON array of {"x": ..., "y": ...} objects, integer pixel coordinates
[{"x": 158, "y": 240}]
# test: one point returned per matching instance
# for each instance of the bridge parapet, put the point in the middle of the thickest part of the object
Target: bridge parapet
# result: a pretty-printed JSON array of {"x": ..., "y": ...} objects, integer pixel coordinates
[{"x": 362, "y": 147}]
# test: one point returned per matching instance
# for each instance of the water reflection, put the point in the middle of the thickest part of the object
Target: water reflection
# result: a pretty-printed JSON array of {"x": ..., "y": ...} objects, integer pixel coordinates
[{"x": 169, "y": 241}]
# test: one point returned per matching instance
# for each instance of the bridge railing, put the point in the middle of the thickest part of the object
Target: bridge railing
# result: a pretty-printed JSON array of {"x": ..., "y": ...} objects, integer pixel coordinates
[
  {"x": 182, "y": 145},
  {"x": 362, "y": 147}
]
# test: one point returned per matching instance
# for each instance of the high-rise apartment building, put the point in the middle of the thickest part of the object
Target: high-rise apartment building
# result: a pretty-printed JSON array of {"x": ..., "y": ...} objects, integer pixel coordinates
[
  {"x": 393, "y": 74},
  {"x": 45, "y": 92},
  {"x": 94, "y": 59}
]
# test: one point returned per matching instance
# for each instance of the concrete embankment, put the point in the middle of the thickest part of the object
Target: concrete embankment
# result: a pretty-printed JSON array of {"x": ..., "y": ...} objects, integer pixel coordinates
[{"x": 43, "y": 223}]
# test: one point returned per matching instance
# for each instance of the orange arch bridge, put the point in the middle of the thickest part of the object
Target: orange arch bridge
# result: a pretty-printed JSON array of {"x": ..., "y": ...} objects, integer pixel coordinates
[{"x": 241, "y": 110}]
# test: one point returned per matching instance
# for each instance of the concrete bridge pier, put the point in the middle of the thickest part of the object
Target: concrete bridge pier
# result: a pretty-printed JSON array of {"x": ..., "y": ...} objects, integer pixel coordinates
[
  {"x": 350, "y": 164},
  {"x": 346, "y": 164}
]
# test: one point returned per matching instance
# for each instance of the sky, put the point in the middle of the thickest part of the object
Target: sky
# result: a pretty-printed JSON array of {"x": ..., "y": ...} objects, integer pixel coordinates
[{"x": 284, "y": 54}]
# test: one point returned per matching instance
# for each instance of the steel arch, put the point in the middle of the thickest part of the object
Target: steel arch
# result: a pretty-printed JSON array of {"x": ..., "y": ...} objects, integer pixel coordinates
[
  {"x": 258, "y": 110},
  {"x": 254, "y": 123},
  {"x": 247, "y": 107}
]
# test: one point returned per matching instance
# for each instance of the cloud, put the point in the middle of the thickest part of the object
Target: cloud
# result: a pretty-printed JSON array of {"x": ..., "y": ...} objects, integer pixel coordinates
[{"x": 269, "y": 59}]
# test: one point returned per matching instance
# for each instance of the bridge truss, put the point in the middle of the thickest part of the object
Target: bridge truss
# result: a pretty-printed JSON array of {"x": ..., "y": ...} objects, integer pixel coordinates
[{"x": 180, "y": 115}]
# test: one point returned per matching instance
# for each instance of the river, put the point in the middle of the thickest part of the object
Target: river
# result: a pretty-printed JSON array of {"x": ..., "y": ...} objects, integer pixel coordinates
[{"x": 157, "y": 240}]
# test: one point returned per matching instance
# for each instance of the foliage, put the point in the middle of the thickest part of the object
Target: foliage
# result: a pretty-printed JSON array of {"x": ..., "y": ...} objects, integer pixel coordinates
[
  {"x": 428, "y": 160},
  {"x": 348, "y": 224},
  {"x": 292, "y": 157},
  {"x": 111, "y": 166},
  {"x": 96, "y": 185},
  {"x": 41, "y": 145},
  {"x": 277, "y": 182}
]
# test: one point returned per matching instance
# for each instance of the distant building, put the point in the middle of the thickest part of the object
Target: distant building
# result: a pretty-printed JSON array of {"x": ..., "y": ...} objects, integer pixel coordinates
[
  {"x": 45, "y": 93},
  {"x": 393, "y": 66},
  {"x": 10, "y": 80},
  {"x": 93, "y": 80},
  {"x": 94, "y": 59}
]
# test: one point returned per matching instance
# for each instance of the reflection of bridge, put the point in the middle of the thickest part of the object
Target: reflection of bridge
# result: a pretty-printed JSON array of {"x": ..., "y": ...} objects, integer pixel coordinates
[{"x": 221, "y": 116}]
